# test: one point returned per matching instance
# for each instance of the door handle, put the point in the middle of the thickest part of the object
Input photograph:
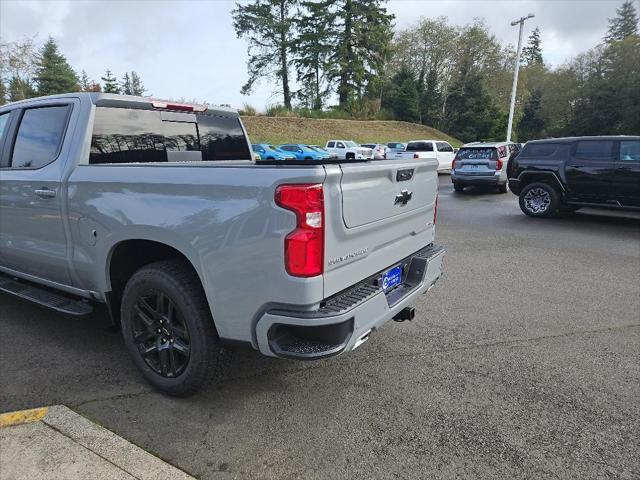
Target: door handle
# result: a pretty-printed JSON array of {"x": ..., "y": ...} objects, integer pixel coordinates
[{"x": 45, "y": 193}]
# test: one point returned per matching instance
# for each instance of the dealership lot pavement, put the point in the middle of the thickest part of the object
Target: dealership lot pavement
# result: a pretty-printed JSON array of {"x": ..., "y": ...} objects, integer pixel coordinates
[{"x": 524, "y": 361}]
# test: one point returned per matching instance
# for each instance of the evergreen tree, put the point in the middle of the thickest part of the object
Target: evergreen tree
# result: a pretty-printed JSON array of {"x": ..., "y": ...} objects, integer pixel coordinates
[
  {"x": 624, "y": 24},
  {"x": 532, "y": 53},
  {"x": 470, "y": 112},
  {"x": 405, "y": 101},
  {"x": 20, "y": 89},
  {"x": 531, "y": 124},
  {"x": 362, "y": 34},
  {"x": 311, "y": 51},
  {"x": 267, "y": 25},
  {"x": 84, "y": 81},
  {"x": 137, "y": 88},
  {"x": 3, "y": 92},
  {"x": 110, "y": 83},
  {"x": 54, "y": 74},
  {"x": 125, "y": 84},
  {"x": 430, "y": 99}
]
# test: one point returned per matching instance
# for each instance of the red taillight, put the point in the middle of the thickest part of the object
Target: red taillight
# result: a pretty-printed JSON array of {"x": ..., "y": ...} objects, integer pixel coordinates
[
  {"x": 182, "y": 107},
  {"x": 415, "y": 155},
  {"x": 498, "y": 164},
  {"x": 304, "y": 246},
  {"x": 453, "y": 164},
  {"x": 435, "y": 211}
]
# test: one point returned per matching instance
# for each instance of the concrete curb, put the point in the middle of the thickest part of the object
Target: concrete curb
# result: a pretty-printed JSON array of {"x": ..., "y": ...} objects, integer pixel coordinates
[{"x": 108, "y": 446}]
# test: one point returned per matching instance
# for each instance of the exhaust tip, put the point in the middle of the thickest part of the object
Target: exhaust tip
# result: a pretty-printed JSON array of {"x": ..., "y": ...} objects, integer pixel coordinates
[{"x": 407, "y": 313}]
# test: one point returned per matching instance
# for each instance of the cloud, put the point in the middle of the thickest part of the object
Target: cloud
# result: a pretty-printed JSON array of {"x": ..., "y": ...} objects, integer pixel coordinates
[{"x": 189, "y": 48}]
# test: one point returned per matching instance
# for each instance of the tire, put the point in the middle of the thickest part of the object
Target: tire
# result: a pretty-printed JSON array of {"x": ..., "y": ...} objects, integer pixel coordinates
[
  {"x": 183, "y": 347},
  {"x": 350, "y": 156},
  {"x": 458, "y": 188},
  {"x": 504, "y": 188},
  {"x": 270, "y": 158},
  {"x": 308, "y": 158},
  {"x": 539, "y": 200}
]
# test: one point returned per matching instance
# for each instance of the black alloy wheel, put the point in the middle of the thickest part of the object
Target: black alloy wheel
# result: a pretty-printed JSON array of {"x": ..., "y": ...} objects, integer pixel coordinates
[{"x": 161, "y": 335}]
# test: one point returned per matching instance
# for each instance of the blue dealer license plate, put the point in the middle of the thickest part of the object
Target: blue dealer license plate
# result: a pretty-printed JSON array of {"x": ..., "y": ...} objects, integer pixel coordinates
[{"x": 392, "y": 277}]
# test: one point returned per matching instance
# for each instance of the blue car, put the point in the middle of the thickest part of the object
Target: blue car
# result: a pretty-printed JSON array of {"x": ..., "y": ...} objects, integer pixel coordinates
[
  {"x": 302, "y": 152},
  {"x": 269, "y": 152}
]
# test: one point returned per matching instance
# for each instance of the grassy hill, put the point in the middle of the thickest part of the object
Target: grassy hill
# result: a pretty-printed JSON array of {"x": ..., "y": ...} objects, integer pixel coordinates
[{"x": 318, "y": 131}]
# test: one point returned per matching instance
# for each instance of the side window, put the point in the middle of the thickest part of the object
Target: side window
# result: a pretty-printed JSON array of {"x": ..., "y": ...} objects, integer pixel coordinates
[
  {"x": 331, "y": 145},
  {"x": 39, "y": 136},
  {"x": 4, "y": 121},
  {"x": 595, "y": 150},
  {"x": 629, "y": 150},
  {"x": 222, "y": 138},
  {"x": 340, "y": 145},
  {"x": 444, "y": 147},
  {"x": 539, "y": 150},
  {"x": 122, "y": 135}
]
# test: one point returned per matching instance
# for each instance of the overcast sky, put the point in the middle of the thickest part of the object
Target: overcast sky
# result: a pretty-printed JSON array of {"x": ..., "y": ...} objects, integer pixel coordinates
[{"x": 189, "y": 48}]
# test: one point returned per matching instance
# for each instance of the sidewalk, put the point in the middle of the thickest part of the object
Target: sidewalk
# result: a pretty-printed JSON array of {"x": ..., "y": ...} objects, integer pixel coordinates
[{"x": 57, "y": 443}]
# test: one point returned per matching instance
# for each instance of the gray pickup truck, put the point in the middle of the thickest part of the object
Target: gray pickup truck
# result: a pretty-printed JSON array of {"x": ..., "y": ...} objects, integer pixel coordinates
[{"x": 159, "y": 211}]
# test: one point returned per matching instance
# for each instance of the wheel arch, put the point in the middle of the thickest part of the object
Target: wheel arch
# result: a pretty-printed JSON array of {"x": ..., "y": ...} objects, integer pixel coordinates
[
  {"x": 527, "y": 178},
  {"x": 126, "y": 256}
]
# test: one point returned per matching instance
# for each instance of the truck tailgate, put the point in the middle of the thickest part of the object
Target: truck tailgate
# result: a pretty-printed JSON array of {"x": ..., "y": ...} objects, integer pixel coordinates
[
  {"x": 380, "y": 190},
  {"x": 377, "y": 214}
]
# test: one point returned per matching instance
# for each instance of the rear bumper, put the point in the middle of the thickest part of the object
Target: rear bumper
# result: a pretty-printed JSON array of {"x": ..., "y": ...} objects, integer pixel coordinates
[
  {"x": 490, "y": 179},
  {"x": 343, "y": 322}
]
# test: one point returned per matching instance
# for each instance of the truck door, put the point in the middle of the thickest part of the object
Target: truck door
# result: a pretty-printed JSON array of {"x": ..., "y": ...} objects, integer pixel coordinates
[
  {"x": 590, "y": 171},
  {"x": 445, "y": 155},
  {"x": 627, "y": 177},
  {"x": 32, "y": 233}
]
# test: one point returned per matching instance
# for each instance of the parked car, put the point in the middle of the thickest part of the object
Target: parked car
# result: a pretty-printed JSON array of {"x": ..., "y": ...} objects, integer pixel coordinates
[
  {"x": 441, "y": 151},
  {"x": 482, "y": 164},
  {"x": 322, "y": 151},
  {"x": 302, "y": 152},
  {"x": 395, "y": 147},
  {"x": 379, "y": 150},
  {"x": 564, "y": 174},
  {"x": 269, "y": 152},
  {"x": 191, "y": 245},
  {"x": 348, "y": 150}
]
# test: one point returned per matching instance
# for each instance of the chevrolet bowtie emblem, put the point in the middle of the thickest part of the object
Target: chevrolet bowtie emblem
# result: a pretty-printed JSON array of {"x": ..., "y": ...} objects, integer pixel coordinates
[{"x": 403, "y": 197}]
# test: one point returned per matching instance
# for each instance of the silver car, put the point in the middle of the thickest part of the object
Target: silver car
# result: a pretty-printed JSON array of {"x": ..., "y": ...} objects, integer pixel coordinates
[
  {"x": 482, "y": 164},
  {"x": 379, "y": 150},
  {"x": 395, "y": 147}
]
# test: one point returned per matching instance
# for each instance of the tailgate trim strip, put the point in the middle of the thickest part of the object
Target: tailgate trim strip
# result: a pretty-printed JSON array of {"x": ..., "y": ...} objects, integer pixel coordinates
[{"x": 348, "y": 299}]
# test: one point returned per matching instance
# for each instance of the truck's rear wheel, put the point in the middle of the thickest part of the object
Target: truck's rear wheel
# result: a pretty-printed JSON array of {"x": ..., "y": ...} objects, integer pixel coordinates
[
  {"x": 539, "y": 200},
  {"x": 168, "y": 329}
]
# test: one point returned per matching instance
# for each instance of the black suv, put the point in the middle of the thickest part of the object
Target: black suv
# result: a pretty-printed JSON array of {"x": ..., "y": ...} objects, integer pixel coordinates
[{"x": 564, "y": 174}]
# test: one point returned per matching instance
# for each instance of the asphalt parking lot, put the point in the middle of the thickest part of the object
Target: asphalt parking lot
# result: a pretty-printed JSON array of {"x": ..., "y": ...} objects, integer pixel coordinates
[{"x": 523, "y": 362}]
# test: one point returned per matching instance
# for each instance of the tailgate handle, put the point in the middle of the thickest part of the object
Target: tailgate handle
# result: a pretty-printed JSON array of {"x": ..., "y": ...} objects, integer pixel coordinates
[{"x": 404, "y": 175}]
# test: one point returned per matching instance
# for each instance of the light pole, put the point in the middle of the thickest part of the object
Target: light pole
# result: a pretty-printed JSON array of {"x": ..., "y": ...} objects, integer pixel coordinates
[{"x": 515, "y": 73}]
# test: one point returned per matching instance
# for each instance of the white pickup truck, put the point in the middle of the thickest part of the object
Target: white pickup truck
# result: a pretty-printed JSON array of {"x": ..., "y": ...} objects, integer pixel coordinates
[
  {"x": 436, "y": 149},
  {"x": 348, "y": 150}
]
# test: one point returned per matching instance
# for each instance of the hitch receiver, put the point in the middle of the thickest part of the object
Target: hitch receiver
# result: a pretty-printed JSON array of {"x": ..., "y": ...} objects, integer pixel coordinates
[{"x": 407, "y": 313}]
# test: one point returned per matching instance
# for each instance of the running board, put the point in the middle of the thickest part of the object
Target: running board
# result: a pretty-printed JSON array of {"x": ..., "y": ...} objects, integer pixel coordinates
[{"x": 44, "y": 297}]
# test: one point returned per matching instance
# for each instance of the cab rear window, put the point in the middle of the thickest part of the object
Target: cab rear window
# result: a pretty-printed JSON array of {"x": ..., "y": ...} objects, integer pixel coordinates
[
  {"x": 419, "y": 147},
  {"x": 122, "y": 135}
]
